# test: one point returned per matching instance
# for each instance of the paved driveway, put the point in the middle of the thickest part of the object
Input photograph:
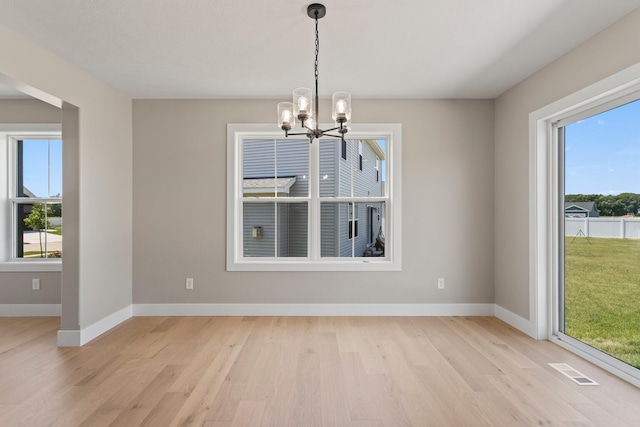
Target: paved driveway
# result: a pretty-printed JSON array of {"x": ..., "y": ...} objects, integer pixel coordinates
[{"x": 32, "y": 241}]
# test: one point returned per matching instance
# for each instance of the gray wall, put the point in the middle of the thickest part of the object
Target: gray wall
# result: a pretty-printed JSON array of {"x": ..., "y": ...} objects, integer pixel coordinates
[
  {"x": 15, "y": 288},
  {"x": 179, "y": 192},
  {"x": 605, "y": 54},
  {"x": 98, "y": 270}
]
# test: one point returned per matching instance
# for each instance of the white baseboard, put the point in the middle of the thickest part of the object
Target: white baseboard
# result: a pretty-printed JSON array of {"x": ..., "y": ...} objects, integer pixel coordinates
[
  {"x": 69, "y": 338},
  {"x": 77, "y": 338},
  {"x": 27, "y": 310},
  {"x": 313, "y": 309},
  {"x": 518, "y": 322}
]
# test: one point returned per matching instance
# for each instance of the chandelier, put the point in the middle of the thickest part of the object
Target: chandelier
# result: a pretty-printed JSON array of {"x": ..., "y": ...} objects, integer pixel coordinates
[{"x": 305, "y": 106}]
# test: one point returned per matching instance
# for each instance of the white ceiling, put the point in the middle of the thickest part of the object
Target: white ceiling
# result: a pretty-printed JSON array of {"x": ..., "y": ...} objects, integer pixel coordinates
[{"x": 264, "y": 49}]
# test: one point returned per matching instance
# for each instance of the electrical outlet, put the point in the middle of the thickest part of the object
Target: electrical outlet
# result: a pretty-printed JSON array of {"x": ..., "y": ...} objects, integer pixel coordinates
[
  {"x": 441, "y": 283},
  {"x": 189, "y": 283},
  {"x": 35, "y": 284}
]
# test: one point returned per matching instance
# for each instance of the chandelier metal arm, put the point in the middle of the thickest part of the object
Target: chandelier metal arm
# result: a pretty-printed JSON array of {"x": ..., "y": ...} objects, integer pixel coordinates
[{"x": 332, "y": 129}]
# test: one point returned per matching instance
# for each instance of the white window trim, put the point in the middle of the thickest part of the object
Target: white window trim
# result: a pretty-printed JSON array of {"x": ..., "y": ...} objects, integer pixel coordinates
[
  {"x": 544, "y": 264},
  {"x": 314, "y": 262},
  {"x": 7, "y": 133}
]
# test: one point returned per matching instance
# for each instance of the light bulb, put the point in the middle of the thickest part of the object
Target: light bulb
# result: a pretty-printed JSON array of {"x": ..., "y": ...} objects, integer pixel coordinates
[
  {"x": 303, "y": 103},
  {"x": 286, "y": 119},
  {"x": 286, "y": 116},
  {"x": 341, "y": 111}
]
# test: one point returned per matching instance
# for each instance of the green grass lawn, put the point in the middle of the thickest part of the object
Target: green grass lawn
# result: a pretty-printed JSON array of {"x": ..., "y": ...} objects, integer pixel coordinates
[{"x": 602, "y": 295}]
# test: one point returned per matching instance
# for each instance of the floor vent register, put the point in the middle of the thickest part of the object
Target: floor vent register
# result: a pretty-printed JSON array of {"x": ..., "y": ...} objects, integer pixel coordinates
[{"x": 575, "y": 376}]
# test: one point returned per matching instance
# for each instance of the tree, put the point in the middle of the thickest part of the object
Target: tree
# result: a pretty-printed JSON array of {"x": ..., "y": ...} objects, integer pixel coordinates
[
  {"x": 37, "y": 220},
  {"x": 610, "y": 205},
  {"x": 55, "y": 209}
]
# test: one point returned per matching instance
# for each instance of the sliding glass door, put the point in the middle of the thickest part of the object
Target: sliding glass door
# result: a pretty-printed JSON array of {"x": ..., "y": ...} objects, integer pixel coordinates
[{"x": 599, "y": 232}]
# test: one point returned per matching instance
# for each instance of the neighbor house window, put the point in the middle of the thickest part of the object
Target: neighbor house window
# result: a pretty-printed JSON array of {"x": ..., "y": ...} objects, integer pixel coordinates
[
  {"x": 353, "y": 220},
  {"x": 32, "y": 212},
  {"x": 293, "y": 205}
]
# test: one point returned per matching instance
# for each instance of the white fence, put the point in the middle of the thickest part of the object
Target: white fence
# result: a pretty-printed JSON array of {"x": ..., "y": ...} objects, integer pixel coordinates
[{"x": 617, "y": 228}]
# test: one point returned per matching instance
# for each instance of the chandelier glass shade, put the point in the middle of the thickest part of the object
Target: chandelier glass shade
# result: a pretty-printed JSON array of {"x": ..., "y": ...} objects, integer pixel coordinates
[{"x": 304, "y": 107}]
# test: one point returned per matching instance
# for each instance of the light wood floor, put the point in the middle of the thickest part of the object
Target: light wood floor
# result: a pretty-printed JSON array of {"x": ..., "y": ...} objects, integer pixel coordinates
[{"x": 300, "y": 371}]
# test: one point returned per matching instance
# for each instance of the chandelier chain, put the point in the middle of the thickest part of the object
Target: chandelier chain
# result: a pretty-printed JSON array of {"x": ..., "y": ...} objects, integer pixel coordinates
[{"x": 316, "y": 69}]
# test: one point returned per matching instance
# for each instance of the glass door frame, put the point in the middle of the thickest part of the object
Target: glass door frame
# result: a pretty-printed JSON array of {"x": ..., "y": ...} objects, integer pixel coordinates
[{"x": 557, "y": 258}]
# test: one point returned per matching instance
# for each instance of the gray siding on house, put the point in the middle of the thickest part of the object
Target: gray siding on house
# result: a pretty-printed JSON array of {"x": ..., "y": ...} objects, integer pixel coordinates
[
  {"x": 278, "y": 158},
  {"x": 338, "y": 177},
  {"x": 297, "y": 228},
  {"x": 364, "y": 184},
  {"x": 329, "y": 155},
  {"x": 263, "y": 215},
  {"x": 329, "y": 219},
  {"x": 581, "y": 210},
  {"x": 291, "y": 229},
  {"x": 329, "y": 237}
]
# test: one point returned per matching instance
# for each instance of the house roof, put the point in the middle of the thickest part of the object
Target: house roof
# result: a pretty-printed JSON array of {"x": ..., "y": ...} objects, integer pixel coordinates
[
  {"x": 225, "y": 49},
  {"x": 583, "y": 206},
  {"x": 268, "y": 185},
  {"x": 375, "y": 146},
  {"x": 27, "y": 192}
]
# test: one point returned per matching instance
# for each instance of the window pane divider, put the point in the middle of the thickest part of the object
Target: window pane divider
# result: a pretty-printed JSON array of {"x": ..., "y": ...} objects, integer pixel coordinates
[
  {"x": 347, "y": 199},
  {"x": 35, "y": 200},
  {"x": 270, "y": 199}
]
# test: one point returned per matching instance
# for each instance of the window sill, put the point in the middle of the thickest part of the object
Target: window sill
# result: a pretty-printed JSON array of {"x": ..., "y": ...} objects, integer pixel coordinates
[
  {"x": 328, "y": 264},
  {"x": 30, "y": 266}
]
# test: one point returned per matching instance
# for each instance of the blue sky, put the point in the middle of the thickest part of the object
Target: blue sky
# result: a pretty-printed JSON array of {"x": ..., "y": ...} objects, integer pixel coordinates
[
  {"x": 602, "y": 153},
  {"x": 42, "y": 173}
]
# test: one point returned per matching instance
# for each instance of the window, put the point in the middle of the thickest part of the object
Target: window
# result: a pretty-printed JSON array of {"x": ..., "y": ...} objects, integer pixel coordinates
[
  {"x": 353, "y": 220},
  {"x": 293, "y": 205},
  {"x": 377, "y": 169},
  {"x": 32, "y": 202}
]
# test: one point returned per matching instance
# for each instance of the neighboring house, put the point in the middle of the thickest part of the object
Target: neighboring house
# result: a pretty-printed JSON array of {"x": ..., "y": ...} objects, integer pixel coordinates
[
  {"x": 281, "y": 168},
  {"x": 27, "y": 193},
  {"x": 580, "y": 210}
]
